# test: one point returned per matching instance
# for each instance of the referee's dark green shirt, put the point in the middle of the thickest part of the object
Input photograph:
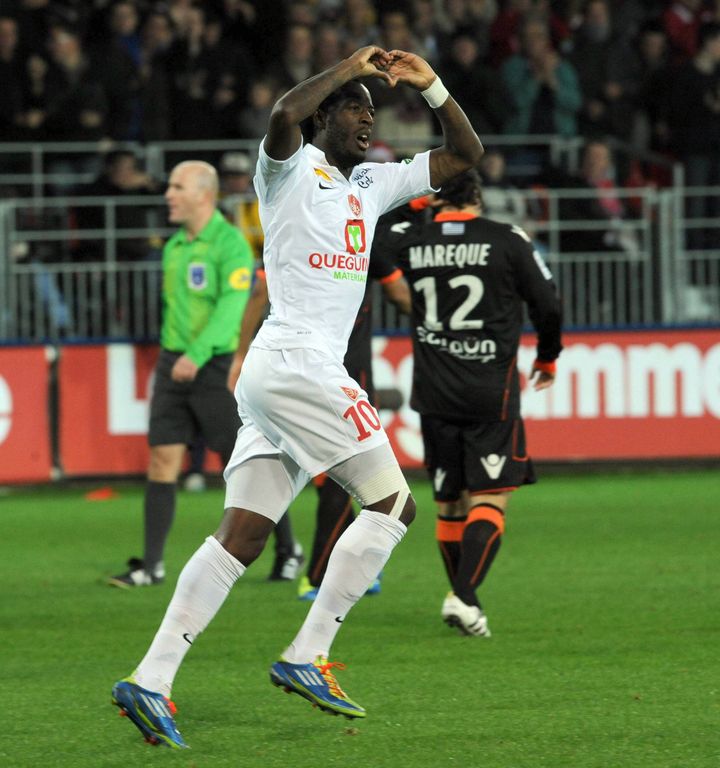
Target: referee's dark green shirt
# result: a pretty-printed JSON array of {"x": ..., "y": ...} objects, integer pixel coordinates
[{"x": 206, "y": 285}]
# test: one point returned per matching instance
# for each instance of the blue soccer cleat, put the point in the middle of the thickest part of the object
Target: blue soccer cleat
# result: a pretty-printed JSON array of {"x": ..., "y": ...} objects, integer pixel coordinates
[
  {"x": 375, "y": 587},
  {"x": 151, "y": 712},
  {"x": 306, "y": 590},
  {"x": 317, "y": 684}
]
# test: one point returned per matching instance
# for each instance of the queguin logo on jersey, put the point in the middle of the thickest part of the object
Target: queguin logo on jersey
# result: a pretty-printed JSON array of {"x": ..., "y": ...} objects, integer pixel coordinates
[{"x": 197, "y": 276}]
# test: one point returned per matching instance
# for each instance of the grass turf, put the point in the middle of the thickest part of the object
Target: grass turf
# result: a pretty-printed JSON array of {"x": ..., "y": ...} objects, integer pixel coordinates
[{"x": 603, "y": 605}]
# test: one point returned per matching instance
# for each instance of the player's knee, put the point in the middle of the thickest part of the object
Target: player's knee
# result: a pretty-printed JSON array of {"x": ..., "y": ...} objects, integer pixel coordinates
[
  {"x": 244, "y": 534},
  {"x": 165, "y": 463},
  {"x": 408, "y": 513}
]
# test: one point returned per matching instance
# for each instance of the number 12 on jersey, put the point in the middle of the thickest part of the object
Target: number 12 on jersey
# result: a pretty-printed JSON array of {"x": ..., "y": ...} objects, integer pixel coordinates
[{"x": 458, "y": 321}]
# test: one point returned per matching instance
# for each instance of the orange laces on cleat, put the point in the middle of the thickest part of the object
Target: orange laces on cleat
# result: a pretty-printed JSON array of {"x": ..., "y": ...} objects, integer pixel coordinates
[
  {"x": 171, "y": 706},
  {"x": 324, "y": 669}
]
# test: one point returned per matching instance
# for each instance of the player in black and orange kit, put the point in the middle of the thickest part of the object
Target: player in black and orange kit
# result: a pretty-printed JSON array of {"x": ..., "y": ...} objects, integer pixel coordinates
[{"x": 470, "y": 279}]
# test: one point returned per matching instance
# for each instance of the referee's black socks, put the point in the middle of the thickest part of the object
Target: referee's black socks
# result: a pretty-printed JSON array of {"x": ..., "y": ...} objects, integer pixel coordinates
[{"x": 159, "y": 516}]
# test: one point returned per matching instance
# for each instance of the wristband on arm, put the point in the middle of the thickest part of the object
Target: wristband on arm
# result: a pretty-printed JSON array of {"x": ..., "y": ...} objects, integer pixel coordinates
[
  {"x": 437, "y": 94},
  {"x": 545, "y": 367}
]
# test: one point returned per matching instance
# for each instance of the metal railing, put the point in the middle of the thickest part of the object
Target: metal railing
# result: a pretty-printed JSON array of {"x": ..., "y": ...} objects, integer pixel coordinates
[
  {"x": 62, "y": 278},
  {"x": 34, "y": 169}
]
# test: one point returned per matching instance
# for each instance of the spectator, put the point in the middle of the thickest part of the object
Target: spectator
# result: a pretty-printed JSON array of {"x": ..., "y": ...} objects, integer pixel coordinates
[
  {"x": 328, "y": 47},
  {"x": 237, "y": 198},
  {"x": 647, "y": 69},
  {"x": 454, "y": 16},
  {"x": 253, "y": 118},
  {"x": 118, "y": 62},
  {"x": 484, "y": 98},
  {"x": 425, "y": 30},
  {"x": 506, "y": 29},
  {"x": 296, "y": 62},
  {"x": 120, "y": 177},
  {"x": 11, "y": 69},
  {"x": 35, "y": 97},
  {"x": 234, "y": 71},
  {"x": 600, "y": 61},
  {"x": 156, "y": 37},
  {"x": 693, "y": 111},
  {"x": 124, "y": 25},
  {"x": 597, "y": 173},
  {"x": 543, "y": 85},
  {"x": 682, "y": 24},
  {"x": 502, "y": 201},
  {"x": 401, "y": 117},
  {"x": 359, "y": 21},
  {"x": 195, "y": 75},
  {"x": 76, "y": 107}
]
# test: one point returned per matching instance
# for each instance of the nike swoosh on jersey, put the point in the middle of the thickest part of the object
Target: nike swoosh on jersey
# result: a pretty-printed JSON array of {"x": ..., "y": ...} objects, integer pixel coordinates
[{"x": 320, "y": 184}]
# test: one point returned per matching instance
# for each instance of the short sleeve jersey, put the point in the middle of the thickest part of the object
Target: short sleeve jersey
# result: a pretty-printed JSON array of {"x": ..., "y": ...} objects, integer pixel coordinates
[
  {"x": 319, "y": 228},
  {"x": 206, "y": 284}
]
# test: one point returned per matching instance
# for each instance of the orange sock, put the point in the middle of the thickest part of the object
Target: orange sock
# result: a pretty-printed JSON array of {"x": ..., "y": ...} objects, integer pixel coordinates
[
  {"x": 449, "y": 533},
  {"x": 481, "y": 540}
]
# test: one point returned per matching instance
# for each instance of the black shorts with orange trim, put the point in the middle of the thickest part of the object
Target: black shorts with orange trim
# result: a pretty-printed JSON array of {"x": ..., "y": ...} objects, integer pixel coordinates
[{"x": 477, "y": 457}]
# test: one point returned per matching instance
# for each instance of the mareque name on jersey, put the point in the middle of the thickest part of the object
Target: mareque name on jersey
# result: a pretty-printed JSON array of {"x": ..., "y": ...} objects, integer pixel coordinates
[{"x": 450, "y": 255}]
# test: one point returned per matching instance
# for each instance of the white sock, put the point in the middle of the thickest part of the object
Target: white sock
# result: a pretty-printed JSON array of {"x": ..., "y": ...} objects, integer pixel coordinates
[
  {"x": 356, "y": 560},
  {"x": 203, "y": 585}
]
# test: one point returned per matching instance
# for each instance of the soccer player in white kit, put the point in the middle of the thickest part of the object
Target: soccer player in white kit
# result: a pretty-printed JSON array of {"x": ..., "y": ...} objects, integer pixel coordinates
[{"x": 302, "y": 413}]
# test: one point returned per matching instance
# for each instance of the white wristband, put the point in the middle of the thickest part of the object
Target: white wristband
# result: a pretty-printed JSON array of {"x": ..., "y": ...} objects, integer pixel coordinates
[{"x": 436, "y": 95}]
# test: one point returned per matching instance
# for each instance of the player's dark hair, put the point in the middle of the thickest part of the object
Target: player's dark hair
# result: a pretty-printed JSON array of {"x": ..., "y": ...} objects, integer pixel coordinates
[
  {"x": 349, "y": 90},
  {"x": 464, "y": 189}
]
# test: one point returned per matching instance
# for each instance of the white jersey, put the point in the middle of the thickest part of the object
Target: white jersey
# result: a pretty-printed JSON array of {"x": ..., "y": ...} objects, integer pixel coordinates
[{"x": 319, "y": 228}]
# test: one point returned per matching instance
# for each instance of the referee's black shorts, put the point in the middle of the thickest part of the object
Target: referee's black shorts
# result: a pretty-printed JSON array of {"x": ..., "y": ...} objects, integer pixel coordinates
[{"x": 179, "y": 411}]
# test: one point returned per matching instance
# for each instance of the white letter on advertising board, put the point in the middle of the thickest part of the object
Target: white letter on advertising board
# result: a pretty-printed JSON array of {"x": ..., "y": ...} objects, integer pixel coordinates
[
  {"x": 127, "y": 414},
  {"x": 6, "y": 404}
]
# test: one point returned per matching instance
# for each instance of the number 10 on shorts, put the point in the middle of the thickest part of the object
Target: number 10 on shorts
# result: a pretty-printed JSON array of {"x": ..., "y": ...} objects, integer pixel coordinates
[{"x": 363, "y": 415}]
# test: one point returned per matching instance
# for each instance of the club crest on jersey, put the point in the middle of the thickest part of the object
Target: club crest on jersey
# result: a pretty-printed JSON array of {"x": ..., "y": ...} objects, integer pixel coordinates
[
  {"x": 197, "y": 276},
  {"x": 351, "y": 393},
  {"x": 355, "y": 205},
  {"x": 355, "y": 236}
]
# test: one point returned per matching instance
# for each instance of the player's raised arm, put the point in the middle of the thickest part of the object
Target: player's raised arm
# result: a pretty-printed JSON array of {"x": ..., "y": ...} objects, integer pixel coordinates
[
  {"x": 462, "y": 149},
  {"x": 283, "y": 136}
]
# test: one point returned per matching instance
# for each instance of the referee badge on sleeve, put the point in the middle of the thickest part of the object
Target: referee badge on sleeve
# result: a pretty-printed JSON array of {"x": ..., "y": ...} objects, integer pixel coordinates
[
  {"x": 240, "y": 279},
  {"x": 197, "y": 276}
]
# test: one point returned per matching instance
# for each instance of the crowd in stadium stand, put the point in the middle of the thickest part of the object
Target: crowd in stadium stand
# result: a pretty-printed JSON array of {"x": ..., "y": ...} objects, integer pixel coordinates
[
  {"x": 642, "y": 72},
  {"x": 145, "y": 71}
]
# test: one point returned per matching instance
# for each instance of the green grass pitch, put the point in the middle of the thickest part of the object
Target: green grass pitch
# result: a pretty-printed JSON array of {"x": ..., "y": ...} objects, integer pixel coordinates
[{"x": 604, "y": 606}]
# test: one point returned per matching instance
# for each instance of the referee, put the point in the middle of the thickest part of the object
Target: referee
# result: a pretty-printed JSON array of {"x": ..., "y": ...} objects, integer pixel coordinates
[{"x": 207, "y": 269}]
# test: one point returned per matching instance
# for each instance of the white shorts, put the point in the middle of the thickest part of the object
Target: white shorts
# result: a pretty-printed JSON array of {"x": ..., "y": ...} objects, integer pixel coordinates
[{"x": 304, "y": 404}]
